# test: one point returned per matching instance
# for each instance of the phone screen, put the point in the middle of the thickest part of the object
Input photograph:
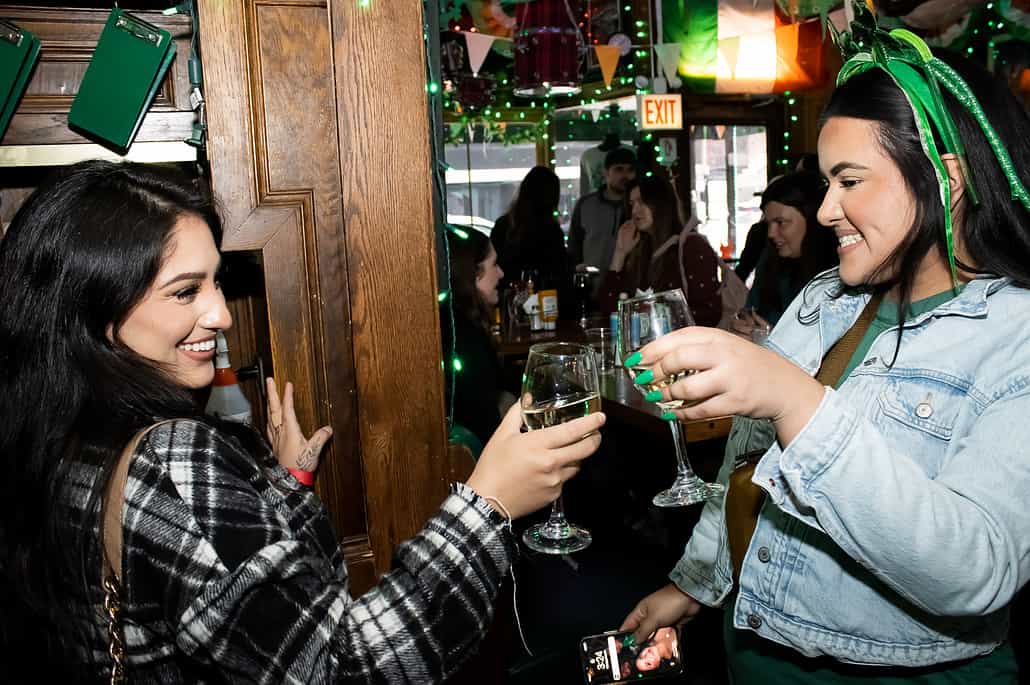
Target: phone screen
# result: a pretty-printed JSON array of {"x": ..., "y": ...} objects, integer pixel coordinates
[{"x": 615, "y": 657}]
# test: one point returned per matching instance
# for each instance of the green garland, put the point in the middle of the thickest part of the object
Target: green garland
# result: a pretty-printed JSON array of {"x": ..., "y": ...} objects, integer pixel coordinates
[{"x": 487, "y": 130}]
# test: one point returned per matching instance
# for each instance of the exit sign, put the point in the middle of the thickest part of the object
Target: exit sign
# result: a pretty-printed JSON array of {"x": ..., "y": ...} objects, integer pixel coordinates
[{"x": 660, "y": 112}]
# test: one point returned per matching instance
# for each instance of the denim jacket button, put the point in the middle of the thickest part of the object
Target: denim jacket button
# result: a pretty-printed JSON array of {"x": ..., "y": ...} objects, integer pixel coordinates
[
  {"x": 754, "y": 621},
  {"x": 924, "y": 410},
  {"x": 763, "y": 555}
]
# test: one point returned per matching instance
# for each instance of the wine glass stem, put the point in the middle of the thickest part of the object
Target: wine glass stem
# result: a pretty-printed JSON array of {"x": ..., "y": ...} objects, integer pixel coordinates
[
  {"x": 679, "y": 439},
  {"x": 557, "y": 518}
]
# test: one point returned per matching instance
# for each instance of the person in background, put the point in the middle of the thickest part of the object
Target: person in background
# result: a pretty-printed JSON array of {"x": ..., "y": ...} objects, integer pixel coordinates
[
  {"x": 799, "y": 247},
  {"x": 215, "y": 562},
  {"x": 754, "y": 245},
  {"x": 479, "y": 403},
  {"x": 596, "y": 217},
  {"x": 647, "y": 254},
  {"x": 889, "y": 532},
  {"x": 528, "y": 238},
  {"x": 758, "y": 235}
]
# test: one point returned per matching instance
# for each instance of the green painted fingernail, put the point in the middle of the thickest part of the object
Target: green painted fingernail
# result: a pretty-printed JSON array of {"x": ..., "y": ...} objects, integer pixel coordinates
[
  {"x": 646, "y": 377},
  {"x": 669, "y": 416},
  {"x": 632, "y": 360},
  {"x": 653, "y": 396}
]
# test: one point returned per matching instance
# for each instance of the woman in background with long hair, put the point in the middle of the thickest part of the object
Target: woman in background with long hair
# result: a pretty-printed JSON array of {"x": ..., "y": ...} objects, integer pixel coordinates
[
  {"x": 528, "y": 238},
  {"x": 648, "y": 254}
]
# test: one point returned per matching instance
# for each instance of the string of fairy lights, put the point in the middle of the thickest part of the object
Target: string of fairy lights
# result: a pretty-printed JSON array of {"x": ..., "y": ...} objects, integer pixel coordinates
[{"x": 512, "y": 120}]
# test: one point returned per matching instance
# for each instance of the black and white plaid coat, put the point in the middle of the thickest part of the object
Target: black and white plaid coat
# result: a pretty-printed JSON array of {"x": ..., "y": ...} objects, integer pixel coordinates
[{"x": 232, "y": 572}]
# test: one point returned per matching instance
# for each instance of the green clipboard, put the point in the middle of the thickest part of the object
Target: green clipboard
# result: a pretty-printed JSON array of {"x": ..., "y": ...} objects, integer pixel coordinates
[
  {"x": 128, "y": 65},
  {"x": 19, "y": 51}
]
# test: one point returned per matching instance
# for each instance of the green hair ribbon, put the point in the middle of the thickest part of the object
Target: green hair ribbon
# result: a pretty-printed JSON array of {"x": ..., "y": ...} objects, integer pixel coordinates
[{"x": 920, "y": 76}]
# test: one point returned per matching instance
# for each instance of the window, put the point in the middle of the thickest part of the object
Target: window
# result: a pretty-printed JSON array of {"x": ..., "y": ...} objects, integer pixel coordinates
[
  {"x": 485, "y": 172},
  {"x": 730, "y": 172}
]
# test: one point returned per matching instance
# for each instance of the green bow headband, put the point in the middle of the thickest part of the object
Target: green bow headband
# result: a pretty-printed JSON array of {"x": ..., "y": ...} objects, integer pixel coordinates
[{"x": 920, "y": 76}]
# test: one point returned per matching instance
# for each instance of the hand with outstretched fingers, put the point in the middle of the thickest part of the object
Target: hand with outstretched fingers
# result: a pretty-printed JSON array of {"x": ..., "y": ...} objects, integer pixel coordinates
[{"x": 292, "y": 449}]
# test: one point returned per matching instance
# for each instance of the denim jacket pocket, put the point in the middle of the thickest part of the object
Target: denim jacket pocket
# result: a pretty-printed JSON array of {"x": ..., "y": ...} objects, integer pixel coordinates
[{"x": 922, "y": 410}]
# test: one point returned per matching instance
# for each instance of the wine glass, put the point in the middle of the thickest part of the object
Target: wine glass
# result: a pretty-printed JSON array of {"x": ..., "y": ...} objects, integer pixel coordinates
[
  {"x": 560, "y": 384},
  {"x": 642, "y": 320}
]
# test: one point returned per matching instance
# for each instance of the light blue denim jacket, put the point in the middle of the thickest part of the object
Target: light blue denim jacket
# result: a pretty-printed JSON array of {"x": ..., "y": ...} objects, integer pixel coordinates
[{"x": 897, "y": 526}]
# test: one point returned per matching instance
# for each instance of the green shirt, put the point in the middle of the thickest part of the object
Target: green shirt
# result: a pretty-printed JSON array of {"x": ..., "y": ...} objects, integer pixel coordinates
[
  {"x": 753, "y": 659},
  {"x": 887, "y": 318}
]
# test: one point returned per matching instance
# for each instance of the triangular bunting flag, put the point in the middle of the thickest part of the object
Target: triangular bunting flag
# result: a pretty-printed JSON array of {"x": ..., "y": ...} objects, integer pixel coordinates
[
  {"x": 478, "y": 46},
  {"x": 729, "y": 49},
  {"x": 608, "y": 58},
  {"x": 596, "y": 113},
  {"x": 669, "y": 58}
]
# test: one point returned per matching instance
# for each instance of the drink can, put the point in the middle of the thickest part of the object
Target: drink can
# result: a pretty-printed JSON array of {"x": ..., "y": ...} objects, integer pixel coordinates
[{"x": 613, "y": 326}]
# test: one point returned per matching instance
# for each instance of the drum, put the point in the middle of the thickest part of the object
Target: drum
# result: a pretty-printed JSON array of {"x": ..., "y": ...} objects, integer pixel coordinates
[{"x": 547, "y": 48}]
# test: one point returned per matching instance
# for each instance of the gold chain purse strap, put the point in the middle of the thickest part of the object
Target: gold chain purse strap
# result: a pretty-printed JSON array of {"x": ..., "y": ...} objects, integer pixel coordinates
[{"x": 113, "y": 608}]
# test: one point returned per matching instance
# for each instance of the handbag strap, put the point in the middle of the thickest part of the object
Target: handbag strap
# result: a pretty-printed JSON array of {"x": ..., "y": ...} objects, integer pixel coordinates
[
  {"x": 744, "y": 500},
  {"x": 110, "y": 574},
  {"x": 838, "y": 356}
]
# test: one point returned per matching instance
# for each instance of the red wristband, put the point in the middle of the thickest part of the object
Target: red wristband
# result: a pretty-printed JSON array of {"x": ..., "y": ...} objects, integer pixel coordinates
[{"x": 303, "y": 477}]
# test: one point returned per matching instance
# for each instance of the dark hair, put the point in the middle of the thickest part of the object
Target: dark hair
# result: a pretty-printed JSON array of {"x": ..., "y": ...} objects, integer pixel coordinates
[
  {"x": 467, "y": 255},
  {"x": 534, "y": 205},
  {"x": 620, "y": 155},
  {"x": 79, "y": 255},
  {"x": 804, "y": 191},
  {"x": 995, "y": 233},
  {"x": 660, "y": 197}
]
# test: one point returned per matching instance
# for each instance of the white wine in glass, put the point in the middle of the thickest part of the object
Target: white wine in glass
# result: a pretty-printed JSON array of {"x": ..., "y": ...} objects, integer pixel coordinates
[
  {"x": 560, "y": 384},
  {"x": 641, "y": 321}
]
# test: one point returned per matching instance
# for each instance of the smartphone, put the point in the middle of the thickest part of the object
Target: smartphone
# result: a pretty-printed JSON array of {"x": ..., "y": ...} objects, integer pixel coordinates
[{"x": 615, "y": 657}]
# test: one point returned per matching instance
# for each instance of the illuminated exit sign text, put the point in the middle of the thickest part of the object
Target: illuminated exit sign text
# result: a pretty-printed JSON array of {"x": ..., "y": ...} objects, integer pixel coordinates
[{"x": 660, "y": 112}]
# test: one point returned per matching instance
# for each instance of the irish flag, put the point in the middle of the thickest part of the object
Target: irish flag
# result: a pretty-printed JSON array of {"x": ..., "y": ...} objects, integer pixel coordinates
[{"x": 744, "y": 46}]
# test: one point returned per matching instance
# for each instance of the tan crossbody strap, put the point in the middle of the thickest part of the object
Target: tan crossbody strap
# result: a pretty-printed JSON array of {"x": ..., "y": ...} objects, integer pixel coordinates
[
  {"x": 744, "y": 499},
  {"x": 838, "y": 356}
]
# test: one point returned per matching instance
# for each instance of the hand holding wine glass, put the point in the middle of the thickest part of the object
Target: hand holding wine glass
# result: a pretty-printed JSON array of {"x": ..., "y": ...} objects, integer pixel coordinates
[
  {"x": 733, "y": 377},
  {"x": 642, "y": 320},
  {"x": 526, "y": 471},
  {"x": 560, "y": 385}
]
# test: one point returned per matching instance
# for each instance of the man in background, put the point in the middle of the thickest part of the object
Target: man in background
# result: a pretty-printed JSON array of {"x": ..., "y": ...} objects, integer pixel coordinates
[{"x": 597, "y": 216}]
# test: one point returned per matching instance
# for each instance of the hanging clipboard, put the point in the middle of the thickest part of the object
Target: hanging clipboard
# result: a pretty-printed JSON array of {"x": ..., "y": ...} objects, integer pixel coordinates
[
  {"x": 19, "y": 51},
  {"x": 128, "y": 65}
]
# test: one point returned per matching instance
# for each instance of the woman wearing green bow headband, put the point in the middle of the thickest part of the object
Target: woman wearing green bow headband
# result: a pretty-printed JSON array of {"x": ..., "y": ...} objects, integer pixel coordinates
[{"x": 888, "y": 410}]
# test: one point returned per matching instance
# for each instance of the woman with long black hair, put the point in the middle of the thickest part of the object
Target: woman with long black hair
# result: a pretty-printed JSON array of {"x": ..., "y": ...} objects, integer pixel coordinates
[
  {"x": 142, "y": 539},
  {"x": 881, "y": 531},
  {"x": 528, "y": 238}
]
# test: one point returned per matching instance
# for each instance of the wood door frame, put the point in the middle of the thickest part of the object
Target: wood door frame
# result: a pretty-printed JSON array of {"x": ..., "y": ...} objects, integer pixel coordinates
[{"x": 341, "y": 329}]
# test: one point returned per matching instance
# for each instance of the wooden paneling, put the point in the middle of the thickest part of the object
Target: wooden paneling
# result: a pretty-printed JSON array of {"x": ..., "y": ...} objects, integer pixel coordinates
[
  {"x": 319, "y": 151},
  {"x": 379, "y": 61},
  {"x": 68, "y": 38}
]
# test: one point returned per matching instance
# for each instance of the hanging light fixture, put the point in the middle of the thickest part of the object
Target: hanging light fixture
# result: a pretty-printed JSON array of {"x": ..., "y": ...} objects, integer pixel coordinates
[{"x": 548, "y": 46}]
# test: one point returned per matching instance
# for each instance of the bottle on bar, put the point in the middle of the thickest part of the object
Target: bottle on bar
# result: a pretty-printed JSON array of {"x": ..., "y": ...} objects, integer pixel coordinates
[{"x": 227, "y": 401}]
